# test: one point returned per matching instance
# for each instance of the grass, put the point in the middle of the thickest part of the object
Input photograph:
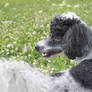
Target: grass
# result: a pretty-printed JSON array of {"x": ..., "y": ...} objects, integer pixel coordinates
[{"x": 25, "y": 22}]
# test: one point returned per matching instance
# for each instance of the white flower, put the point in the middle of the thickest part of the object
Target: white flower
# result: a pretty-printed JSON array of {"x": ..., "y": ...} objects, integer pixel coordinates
[
  {"x": 62, "y": 4},
  {"x": 6, "y": 5},
  {"x": 14, "y": 43},
  {"x": 53, "y": 4},
  {"x": 49, "y": 61},
  {"x": 40, "y": 11},
  {"x": 68, "y": 5},
  {"x": 76, "y": 6},
  {"x": 9, "y": 45},
  {"x": 29, "y": 55}
]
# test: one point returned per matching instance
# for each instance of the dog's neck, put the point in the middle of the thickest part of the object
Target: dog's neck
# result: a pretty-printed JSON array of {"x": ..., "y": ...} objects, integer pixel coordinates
[
  {"x": 87, "y": 56},
  {"x": 87, "y": 49}
]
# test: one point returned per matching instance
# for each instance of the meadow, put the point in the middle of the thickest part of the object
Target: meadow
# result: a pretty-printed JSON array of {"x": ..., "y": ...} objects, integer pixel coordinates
[{"x": 25, "y": 22}]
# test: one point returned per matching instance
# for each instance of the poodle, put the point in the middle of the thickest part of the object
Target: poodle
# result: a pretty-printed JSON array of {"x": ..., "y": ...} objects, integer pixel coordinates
[{"x": 70, "y": 35}]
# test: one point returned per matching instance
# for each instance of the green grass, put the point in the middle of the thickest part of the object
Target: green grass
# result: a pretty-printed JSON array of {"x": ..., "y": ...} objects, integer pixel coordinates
[{"x": 25, "y": 22}]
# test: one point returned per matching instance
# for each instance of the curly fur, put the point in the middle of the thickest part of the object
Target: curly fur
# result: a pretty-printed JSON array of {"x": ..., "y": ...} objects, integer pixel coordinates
[{"x": 18, "y": 76}]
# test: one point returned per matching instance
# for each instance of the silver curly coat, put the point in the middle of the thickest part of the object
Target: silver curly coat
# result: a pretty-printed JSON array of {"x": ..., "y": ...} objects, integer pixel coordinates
[{"x": 18, "y": 76}]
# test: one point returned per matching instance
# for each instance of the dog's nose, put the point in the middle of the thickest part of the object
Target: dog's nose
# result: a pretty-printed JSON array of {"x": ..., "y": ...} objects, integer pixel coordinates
[{"x": 38, "y": 48}]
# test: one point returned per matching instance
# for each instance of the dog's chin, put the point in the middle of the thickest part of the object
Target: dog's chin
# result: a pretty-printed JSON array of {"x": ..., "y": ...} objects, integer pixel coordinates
[{"x": 51, "y": 55}]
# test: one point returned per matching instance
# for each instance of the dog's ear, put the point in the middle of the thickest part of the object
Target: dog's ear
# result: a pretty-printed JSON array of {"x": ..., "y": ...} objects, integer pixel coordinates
[
  {"x": 79, "y": 34},
  {"x": 77, "y": 40}
]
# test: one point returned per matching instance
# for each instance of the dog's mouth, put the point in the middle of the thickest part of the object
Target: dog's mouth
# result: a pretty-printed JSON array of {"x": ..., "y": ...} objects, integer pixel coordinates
[{"x": 51, "y": 54}]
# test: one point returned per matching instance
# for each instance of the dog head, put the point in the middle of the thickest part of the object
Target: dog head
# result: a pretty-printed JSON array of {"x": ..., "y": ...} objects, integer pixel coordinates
[{"x": 67, "y": 34}]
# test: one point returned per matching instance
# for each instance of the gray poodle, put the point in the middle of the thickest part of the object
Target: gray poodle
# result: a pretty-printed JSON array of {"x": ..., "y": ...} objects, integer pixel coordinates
[{"x": 70, "y": 35}]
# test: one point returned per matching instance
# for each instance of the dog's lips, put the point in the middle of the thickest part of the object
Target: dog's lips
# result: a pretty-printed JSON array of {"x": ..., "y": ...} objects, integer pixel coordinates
[
  {"x": 57, "y": 54},
  {"x": 50, "y": 55}
]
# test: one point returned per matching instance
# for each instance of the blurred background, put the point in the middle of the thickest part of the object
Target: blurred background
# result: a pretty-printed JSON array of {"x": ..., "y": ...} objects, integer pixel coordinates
[{"x": 25, "y": 22}]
